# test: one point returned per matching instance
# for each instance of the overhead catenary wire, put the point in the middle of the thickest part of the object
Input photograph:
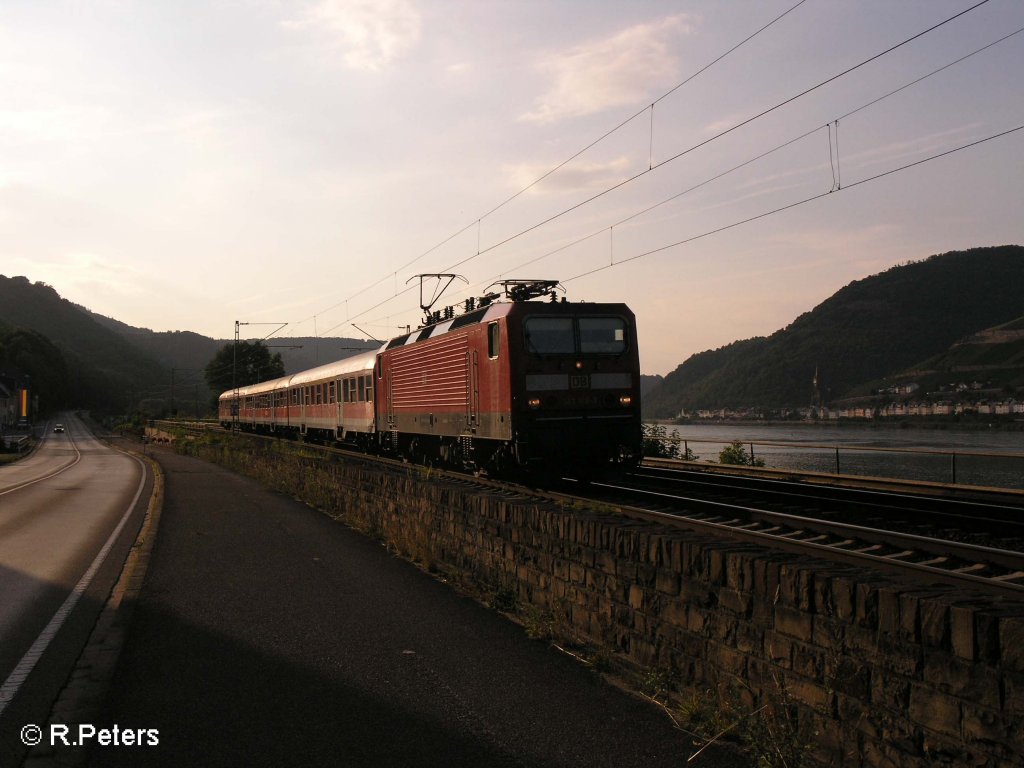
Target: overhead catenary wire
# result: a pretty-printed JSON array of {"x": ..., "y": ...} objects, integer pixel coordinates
[
  {"x": 832, "y": 127},
  {"x": 783, "y": 208},
  {"x": 560, "y": 165},
  {"x": 747, "y": 121},
  {"x": 789, "y": 206},
  {"x": 717, "y": 136}
]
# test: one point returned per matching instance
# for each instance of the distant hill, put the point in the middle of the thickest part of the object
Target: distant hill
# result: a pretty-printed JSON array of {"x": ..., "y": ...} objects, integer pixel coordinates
[
  {"x": 871, "y": 329},
  {"x": 115, "y": 367},
  {"x": 103, "y": 368},
  {"x": 992, "y": 359},
  {"x": 185, "y": 350},
  {"x": 172, "y": 349},
  {"x": 648, "y": 383}
]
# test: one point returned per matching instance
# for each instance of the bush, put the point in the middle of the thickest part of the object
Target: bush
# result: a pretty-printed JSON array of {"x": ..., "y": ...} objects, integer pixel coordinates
[
  {"x": 735, "y": 453},
  {"x": 655, "y": 444}
]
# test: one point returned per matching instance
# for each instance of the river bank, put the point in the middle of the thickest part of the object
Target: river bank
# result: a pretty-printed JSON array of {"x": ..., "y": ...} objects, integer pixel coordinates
[{"x": 985, "y": 457}]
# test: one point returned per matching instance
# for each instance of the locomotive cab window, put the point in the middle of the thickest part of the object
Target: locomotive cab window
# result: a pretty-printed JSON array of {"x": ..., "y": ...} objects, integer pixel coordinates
[
  {"x": 493, "y": 340},
  {"x": 550, "y": 335},
  {"x": 586, "y": 335},
  {"x": 602, "y": 335}
]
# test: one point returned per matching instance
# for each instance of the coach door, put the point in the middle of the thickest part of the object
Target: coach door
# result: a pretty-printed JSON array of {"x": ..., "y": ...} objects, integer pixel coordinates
[
  {"x": 389, "y": 398},
  {"x": 472, "y": 389},
  {"x": 337, "y": 398}
]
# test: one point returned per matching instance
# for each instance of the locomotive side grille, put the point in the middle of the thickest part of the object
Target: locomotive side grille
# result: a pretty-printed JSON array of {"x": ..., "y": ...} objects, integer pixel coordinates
[{"x": 431, "y": 375}]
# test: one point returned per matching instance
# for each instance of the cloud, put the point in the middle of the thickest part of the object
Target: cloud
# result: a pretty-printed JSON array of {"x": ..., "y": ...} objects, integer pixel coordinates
[
  {"x": 612, "y": 72},
  {"x": 892, "y": 154},
  {"x": 369, "y": 33},
  {"x": 571, "y": 177}
]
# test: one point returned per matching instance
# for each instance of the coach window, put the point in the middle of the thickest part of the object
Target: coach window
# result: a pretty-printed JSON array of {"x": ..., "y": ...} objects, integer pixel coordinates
[
  {"x": 602, "y": 335},
  {"x": 362, "y": 388},
  {"x": 493, "y": 340},
  {"x": 369, "y": 388}
]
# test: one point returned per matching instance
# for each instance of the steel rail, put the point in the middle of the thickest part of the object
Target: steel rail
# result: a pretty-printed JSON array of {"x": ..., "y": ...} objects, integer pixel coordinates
[
  {"x": 939, "y": 550},
  {"x": 838, "y": 494}
]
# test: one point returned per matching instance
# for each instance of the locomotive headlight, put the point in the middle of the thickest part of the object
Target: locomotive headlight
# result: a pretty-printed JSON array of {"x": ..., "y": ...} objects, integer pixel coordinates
[
  {"x": 579, "y": 365},
  {"x": 625, "y": 400},
  {"x": 533, "y": 402}
]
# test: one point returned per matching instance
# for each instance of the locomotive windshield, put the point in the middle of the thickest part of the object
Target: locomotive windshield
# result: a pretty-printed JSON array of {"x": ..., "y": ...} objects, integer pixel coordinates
[
  {"x": 550, "y": 335},
  {"x": 581, "y": 335},
  {"x": 602, "y": 335}
]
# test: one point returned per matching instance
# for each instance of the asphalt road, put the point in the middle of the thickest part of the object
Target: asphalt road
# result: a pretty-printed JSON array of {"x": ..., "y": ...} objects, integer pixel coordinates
[
  {"x": 68, "y": 514},
  {"x": 268, "y": 635}
]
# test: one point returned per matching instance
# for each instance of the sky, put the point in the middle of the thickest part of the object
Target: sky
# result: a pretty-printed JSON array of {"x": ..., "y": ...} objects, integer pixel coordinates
[{"x": 183, "y": 165}]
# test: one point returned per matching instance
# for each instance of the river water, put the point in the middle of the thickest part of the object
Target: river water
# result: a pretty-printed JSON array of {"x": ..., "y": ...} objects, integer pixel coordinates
[{"x": 813, "y": 448}]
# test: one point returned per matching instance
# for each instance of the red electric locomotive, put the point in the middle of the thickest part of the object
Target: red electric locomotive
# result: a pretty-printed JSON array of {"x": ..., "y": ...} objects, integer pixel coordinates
[
  {"x": 544, "y": 385},
  {"x": 535, "y": 384}
]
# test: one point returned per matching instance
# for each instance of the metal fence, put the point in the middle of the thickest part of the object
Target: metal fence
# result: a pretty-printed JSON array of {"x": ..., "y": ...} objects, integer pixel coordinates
[{"x": 958, "y": 467}]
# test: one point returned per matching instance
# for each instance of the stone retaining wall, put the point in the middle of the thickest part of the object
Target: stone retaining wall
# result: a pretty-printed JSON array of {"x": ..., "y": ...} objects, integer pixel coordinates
[{"x": 876, "y": 673}]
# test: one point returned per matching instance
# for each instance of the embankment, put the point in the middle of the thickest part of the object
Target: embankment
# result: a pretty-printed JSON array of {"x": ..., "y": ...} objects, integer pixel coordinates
[{"x": 832, "y": 663}]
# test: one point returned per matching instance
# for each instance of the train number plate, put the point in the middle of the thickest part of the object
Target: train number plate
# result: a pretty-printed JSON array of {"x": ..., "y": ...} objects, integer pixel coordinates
[{"x": 579, "y": 381}]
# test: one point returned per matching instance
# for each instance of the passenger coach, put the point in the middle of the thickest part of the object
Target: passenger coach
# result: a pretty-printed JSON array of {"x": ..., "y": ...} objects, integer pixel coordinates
[{"x": 330, "y": 402}]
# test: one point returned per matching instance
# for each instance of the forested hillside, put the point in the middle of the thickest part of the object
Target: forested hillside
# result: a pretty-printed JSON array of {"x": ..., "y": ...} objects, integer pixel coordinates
[
  {"x": 871, "y": 329},
  {"x": 78, "y": 358},
  {"x": 24, "y": 352},
  {"x": 103, "y": 370}
]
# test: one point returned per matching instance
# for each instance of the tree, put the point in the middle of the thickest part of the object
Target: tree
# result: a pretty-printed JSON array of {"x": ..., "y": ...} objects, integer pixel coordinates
[
  {"x": 248, "y": 363},
  {"x": 33, "y": 354}
]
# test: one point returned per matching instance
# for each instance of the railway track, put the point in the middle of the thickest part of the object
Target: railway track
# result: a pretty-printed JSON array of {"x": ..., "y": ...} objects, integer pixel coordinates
[
  {"x": 795, "y": 518},
  {"x": 987, "y": 518},
  {"x": 805, "y": 520}
]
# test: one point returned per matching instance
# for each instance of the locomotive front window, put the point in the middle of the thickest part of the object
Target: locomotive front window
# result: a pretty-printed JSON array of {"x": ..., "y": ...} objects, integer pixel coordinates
[
  {"x": 550, "y": 335},
  {"x": 602, "y": 335}
]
